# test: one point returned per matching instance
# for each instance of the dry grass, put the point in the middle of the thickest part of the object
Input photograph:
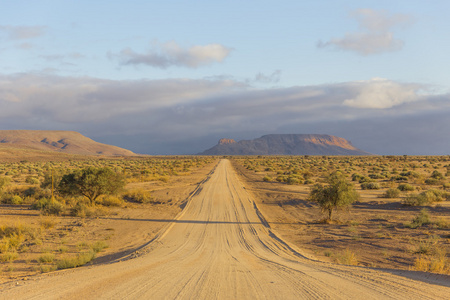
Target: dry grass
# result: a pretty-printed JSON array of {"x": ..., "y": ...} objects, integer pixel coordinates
[{"x": 379, "y": 228}]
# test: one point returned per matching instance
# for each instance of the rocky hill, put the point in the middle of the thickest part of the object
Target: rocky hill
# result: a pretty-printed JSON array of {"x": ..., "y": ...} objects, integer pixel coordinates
[
  {"x": 286, "y": 144},
  {"x": 69, "y": 142}
]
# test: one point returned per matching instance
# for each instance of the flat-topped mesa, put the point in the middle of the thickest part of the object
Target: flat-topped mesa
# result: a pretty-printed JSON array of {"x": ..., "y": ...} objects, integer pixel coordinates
[
  {"x": 226, "y": 141},
  {"x": 287, "y": 144},
  {"x": 330, "y": 140}
]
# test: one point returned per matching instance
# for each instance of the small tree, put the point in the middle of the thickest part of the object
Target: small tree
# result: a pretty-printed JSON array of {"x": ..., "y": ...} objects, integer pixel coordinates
[
  {"x": 91, "y": 183},
  {"x": 338, "y": 193}
]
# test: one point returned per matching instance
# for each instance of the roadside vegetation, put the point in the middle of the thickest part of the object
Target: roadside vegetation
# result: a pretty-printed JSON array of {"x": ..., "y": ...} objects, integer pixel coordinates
[
  {"x": 46, "y": 206},
  {"x": 400, "y": 217}
]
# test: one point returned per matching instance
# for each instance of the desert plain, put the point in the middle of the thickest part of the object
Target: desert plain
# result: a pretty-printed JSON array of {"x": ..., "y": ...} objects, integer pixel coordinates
[{"x": 229, "y": 228}]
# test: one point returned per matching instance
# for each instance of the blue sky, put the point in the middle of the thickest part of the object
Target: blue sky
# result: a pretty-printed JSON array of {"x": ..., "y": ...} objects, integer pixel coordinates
[{"x": 172, "y": 77}]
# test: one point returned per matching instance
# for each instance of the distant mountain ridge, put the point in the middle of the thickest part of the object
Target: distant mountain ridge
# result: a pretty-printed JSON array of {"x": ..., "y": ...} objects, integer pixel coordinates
[
  {"x": 69, "y": 142},
  {"x": 287, "y": 144}
]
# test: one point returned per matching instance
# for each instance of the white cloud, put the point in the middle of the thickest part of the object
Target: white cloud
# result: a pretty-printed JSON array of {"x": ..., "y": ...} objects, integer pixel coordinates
[
  {"x": 382, "y": 93},
  {"x": 171, "y": 54},
  {"x": 375, "y": 34}
]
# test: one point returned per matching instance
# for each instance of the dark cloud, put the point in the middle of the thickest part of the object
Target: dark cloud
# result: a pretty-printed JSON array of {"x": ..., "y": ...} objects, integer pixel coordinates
[
  {"x": 272, "y": 78},
  {"x": 171, "y": 54},
  {"x": 181, "y": 116},
  {"x": 375, "y": 33}
]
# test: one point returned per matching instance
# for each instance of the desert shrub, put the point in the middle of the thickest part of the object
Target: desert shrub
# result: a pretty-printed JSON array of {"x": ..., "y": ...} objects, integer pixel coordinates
[
  {"x": 415, "y": 200},
  {"x": 432, "y": 181},
  {"x": 426, "y": 197},
  {"x": 308, "y": 181},
  {"x": 370, "y": 186},
  {"x": 365, "y": 179},
  {"x": 46, "y": 258},
  {"x": 356, "y": 177},
  {"x": 391, "y": 193},
  {"x": 376, "y": 176},
  {"x": 410, "y": 174},
  {"x": 48, "y": 222},
  {"x": 49, "y": 207},
  {"x": 399, "y": 178},
  {"x": 111, "y": 201},
  {"x": 267, "y": 178},
  {"x": 32, "y": 180},
  {"x": 347, "y": 257},
  {"x": 404, "y": 187},
  {"x": 75, "y": 261},
  {"x": 8, "y": 256},
  {"x": 4, "y": 181},
  {"x": 437, "y": 175},
  {"x": 37, "y": 193},
  {"x": 138, "y": 195},
  {"x": 281, "y": 178},
  {"x": 423, "y": 218},
  {"x": 293, "y": 180},
  {"x": 434, "y": 195},
  {"x": 99, "y": 246},
  {"x": 82, "y": 210},
  {"x": 11, "y": 199},
  {"x": 432, "y": 259}
]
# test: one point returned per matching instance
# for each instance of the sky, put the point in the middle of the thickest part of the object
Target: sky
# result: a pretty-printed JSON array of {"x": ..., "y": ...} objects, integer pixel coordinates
[{"x": 173, "y": 77}]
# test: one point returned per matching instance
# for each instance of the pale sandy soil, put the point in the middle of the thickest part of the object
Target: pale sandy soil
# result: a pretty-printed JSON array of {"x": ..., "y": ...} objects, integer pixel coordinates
[{"x": 221, "y": 247}]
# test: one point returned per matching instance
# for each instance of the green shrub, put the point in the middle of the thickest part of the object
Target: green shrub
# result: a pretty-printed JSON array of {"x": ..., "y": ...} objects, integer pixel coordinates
[
  {"x": 46, "y": 258},
  {"x": 267, "y": 178},
  {"x": 356, "y": 177},
  {"x": 12, "y": 199},
  {"x": 111, "y": 200},
  {"x": 404, "y": 187},
  {"x": 99, "y": 246},
  {"x": 49, "y": 207},
  {"x": 32, "y": 180},
  {"x": 75, "y": 261},
  {"x": 423, "y": 218},
  {"x": 376, "y": 176},
  {"x": 82, "y": 210},
  {"x": 399, "y": 178},
  {"x": 410, "y": 174},
  {"x": 365, "y": 179},
  {"x": 391, "y": 193},
  {"x": 9, "y": 256},
  {"x": 426, "y": 197},
  {"x": 4, "y": 181},
  {"x": 415, "y": 200},
  {"x": 281, "y": 178},
  {"x": 139, "y": 195},
  {"x": 293, "y": 180},
  {"x": 370, "y": 186},
  {"x": 437, "y": 175},
  {"x": 432, "y": 181}
]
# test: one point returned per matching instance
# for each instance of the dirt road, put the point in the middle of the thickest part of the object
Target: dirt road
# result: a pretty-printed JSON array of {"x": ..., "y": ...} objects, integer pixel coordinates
[{"x": 220, "y": 248}]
